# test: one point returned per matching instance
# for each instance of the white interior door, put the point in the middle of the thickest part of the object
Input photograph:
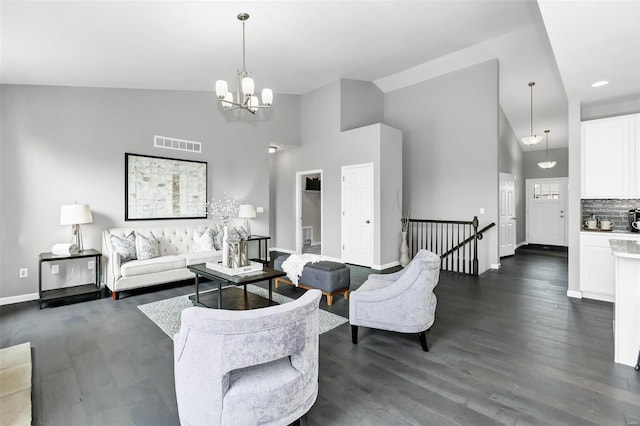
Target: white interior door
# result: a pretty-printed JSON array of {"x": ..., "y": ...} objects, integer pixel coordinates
[
  {"x": 357, "y": 214},
  {"x": 546, "y": 211},
  {"x": 507, "y": 214}
]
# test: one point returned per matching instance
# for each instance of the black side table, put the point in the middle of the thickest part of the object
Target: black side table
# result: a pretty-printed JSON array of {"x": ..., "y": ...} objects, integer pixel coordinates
[
  {"x": 76, "y": 290},
  {"x": 262, "y": 252}
]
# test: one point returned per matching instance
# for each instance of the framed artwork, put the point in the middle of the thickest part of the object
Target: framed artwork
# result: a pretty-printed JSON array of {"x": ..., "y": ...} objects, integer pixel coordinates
[{"x": 164, "y": 188}]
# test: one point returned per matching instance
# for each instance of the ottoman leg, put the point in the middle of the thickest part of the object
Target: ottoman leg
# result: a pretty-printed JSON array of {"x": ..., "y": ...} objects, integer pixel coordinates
[
  {"x": 354, "y": 334},
  {"x": 329, "y": 299}
]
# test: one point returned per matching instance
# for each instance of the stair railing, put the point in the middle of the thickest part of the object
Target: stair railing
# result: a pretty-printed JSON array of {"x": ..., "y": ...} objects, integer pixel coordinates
[{"x": 456, "y": 242}]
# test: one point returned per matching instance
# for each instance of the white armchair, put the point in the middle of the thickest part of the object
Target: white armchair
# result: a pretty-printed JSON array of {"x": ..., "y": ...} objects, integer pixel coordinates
[
  {"x": 247, "y": 367},
  {"x": 405, "y": 304}
]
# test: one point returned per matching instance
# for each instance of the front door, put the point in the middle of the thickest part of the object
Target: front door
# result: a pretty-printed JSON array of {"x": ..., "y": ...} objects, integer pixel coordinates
[
  {"x": 507, "y": 215},
  {"x": 357, "y": 214},
  {"x": 546, "y": 211}
]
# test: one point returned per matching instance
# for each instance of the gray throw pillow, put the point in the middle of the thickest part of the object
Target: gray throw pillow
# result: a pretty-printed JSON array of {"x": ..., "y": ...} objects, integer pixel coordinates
[
  {"x": 147, "y": 246},
  {"x": 125, "y": 247},
  {"x": 217, "y": 239},
  {"x": 202, "y": 241}
]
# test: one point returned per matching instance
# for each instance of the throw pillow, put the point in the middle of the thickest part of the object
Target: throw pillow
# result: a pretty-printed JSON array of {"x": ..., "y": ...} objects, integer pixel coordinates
[
  {"x": 202, "y": 241},
  {"x": 217, "y": 239},
  {"x": 125, "y": 247},
  {"x": 147, "y": 246}
]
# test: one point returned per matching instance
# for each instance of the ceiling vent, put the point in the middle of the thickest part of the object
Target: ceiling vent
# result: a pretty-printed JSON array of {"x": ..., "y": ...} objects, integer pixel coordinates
[{"x": 177, "y": 144}]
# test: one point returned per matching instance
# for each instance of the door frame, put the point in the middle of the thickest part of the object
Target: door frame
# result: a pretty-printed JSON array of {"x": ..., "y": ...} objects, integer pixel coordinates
[
  {"x": 514, "y": 217},
  {"x": 298, "y": 217},
  {"x": 373, "y": 208},
  {"x": 565, "y": 182}
]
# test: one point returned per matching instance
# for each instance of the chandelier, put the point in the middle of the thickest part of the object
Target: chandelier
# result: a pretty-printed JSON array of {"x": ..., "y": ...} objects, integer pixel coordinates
[
  {"x": 532, "y": 139},
  {"x": 245, "y": 98},
  {"x": 547, "y": 164}
]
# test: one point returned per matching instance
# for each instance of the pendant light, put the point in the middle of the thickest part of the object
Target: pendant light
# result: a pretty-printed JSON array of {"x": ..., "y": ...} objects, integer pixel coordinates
[
  {"x": 532, "y": 139},
  {"x": 245, "y": 89},
  {"x": 547, "y": 164}
]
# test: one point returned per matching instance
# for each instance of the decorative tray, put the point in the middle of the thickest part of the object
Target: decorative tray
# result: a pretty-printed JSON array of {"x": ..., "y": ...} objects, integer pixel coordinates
[{"x": 252, "y": 267}]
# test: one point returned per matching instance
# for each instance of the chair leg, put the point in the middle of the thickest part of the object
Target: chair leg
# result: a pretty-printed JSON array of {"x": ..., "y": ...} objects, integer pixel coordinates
[
  {"x": 354, "y": 334},
  {"x": 423, "y": 340}
]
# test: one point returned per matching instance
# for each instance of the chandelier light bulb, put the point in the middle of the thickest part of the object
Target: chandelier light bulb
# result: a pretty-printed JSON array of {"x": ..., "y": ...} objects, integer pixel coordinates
[
  {"x": 228, "y": 100},
  {"x": 267, "y": 97},
  {"x": 253, "y": 103},
  {"x": 221, "y": 89},
  {"x": 247, "y": 86}
]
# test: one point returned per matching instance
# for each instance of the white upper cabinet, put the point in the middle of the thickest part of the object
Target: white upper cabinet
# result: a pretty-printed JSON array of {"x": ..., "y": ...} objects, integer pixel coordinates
[{"x": 610, "y": 157}]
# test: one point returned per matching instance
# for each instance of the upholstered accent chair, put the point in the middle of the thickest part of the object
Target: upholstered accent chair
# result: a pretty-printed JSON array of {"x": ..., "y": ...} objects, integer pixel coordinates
[
  {"x": 249, "y": 367},
  {"x": 404, "y": 303}
]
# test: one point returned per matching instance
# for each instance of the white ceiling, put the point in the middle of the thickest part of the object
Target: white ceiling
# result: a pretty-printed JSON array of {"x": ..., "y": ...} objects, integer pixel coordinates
[{"x": 296, "y": 46}]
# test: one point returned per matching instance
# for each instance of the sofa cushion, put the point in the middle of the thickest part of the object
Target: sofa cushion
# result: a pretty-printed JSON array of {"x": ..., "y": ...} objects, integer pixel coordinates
[
  {"x": 147, "y": 246},
  {"x": 255, "y": 394},
  {"x": 202, "y": 241},
  {"x": 202, "y": 257},
  {"x": 125, "y": 247},
  {"x": 157, "y": 264}
]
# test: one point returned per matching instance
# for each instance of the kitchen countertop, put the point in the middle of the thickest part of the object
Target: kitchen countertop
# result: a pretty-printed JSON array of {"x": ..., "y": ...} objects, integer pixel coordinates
[
  {"x": 613, "y": 232},
  {"x": 626, "y": 248}
]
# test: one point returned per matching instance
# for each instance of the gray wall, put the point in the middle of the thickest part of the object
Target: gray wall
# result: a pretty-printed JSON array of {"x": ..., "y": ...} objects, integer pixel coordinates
[
  {"x": 533, "y": 171},
  {"x": 450, "y": 148},
  {"x": 361, "y": 104},
  {"x": 510, "y": 160},
  {"x": 61, "y": 145}
]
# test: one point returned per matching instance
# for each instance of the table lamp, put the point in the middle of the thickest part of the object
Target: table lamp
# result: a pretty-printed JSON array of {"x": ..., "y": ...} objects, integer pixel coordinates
[
  {"x": 246, "y": 212},
  {"x": 74, "y": 215}
]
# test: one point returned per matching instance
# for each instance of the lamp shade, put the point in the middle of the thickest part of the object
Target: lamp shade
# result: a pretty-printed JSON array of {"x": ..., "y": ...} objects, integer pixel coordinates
[
  {"x": 221, "y": 89},
  {"x": 267, "y": 96},
  {"x": 75, "y": 214},
  {"x": 247, "y": 211},
  {"x": 247, "y": 86}
]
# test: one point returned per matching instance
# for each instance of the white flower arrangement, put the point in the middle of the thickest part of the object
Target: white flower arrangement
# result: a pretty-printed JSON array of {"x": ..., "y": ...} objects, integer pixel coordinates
[{"x": 223, "y": 209}]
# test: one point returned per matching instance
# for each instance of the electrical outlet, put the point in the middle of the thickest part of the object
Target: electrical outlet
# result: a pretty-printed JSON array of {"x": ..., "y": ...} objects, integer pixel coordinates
[
  {"x": 55, "y": 269},
  {"x": 481, "y": 210},
  {"x": 24, "y": 272},
  {"x": 259, "y": 209},
  {"x": 91, "y": 264}
]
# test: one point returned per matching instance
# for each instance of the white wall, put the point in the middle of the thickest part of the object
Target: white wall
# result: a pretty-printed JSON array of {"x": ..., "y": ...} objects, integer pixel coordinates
[
  {"x": 450, "y": 148},
  {"x": 61, "y": 145}
]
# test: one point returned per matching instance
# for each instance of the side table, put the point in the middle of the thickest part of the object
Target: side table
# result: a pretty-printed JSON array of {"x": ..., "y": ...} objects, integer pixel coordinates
[
  {"x": 76, "y": 290},
  {"x": 263, "y": 253}
]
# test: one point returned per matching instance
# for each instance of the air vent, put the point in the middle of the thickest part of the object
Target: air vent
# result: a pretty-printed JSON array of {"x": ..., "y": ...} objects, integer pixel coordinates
[{"x": 178, "y": 144}]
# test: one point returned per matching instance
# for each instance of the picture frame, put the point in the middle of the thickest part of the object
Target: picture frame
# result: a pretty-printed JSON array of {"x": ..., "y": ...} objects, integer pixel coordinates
[{"x": 164, "y": 188}]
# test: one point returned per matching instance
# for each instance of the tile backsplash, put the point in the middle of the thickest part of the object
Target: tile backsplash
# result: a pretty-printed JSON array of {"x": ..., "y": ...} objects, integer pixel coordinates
[{"x": 614, "y": 210}]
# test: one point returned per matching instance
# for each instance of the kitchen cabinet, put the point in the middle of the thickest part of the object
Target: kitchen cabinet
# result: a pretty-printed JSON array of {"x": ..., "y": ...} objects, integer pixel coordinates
[
  {"x": 610, "y": 151},
  {"x": 597, "y": 274}
]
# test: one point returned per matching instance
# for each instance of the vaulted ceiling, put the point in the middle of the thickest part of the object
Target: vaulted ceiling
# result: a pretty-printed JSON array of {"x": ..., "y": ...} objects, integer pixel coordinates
[{"x": 296, "y": 46}]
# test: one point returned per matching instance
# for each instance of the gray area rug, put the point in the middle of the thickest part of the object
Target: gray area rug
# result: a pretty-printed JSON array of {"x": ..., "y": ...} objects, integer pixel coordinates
[{"x": 166, "y": 313}]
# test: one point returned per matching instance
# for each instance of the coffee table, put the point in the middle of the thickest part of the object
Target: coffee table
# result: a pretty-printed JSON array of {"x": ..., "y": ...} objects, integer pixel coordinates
[{"x": 221, "y": 279}]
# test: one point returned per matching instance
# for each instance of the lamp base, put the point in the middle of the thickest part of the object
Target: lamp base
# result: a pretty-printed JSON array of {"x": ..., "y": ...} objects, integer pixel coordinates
[
  {"x": 76, "y": 240},
  {"x": 247, "y": 227}
]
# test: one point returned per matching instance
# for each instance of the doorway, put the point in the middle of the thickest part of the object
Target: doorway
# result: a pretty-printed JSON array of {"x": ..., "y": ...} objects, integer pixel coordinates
[
  {"x": 309, "y": 212},
  {"x": 357, "y": 214},
  {"x": 508, "y": 218},
  {"x": 547, "y": 211}
]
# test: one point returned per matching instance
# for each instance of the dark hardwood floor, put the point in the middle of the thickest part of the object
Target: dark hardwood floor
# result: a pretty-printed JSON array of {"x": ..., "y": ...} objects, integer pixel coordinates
[{"x": 508, "y": 347}]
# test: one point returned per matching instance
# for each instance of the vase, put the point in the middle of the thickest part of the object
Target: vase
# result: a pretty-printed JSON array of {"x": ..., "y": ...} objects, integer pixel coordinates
[
  {"x": 404, "y": 250},
  {"x": 225, "y": 246}
]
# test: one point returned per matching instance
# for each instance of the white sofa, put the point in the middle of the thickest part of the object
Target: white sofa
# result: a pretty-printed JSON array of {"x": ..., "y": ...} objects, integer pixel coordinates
[{"x": 175, "y": 255}]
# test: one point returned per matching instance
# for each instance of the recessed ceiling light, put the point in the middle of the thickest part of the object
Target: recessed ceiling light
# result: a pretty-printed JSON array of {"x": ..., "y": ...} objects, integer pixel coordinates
[{"x": 599, "y": 83}]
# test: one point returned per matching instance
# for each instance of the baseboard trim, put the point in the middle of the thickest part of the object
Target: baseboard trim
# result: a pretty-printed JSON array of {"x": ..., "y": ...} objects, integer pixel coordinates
[
  {"x": 19, "y": 299},
  {"x": 524, "y": 243},
  {"x": 495, "y": 266},
  {"x": 282, "y": 250},
  {"x": 385, "y": 266},
  {"x": 575, "y": 294}
]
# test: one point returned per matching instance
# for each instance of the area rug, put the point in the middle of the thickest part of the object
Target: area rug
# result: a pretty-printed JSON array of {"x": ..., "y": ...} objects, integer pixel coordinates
[{"x": 166, "y": 313}]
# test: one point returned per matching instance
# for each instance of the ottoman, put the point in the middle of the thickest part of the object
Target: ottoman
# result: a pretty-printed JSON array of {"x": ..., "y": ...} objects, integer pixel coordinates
[{"x": 330, "y": 278}]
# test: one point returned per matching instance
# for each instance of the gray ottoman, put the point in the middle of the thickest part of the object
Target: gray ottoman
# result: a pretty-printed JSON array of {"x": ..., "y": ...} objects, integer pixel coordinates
[{"x": 330, "y": 278}]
